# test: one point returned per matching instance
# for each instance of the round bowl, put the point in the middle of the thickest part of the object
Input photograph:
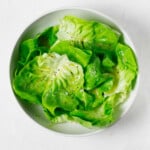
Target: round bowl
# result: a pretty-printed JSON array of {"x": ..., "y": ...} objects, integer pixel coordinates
[{"x": 50, "y": 19}]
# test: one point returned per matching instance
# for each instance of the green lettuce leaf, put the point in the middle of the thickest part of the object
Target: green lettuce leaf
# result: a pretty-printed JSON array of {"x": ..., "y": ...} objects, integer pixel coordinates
[
  {"x": 48, "y": 37},
  {"x": 87, "y": 34},
  {"x": 74, "y": 54},
  {"x": 105, "y": 114},
  {"x": 101, "y": 116},
  {"x": 36, "y": 46},
  {"x": 59, "y": 101},
  {"x": 86, "y": 99},
  {"x": 48, "y": 71},
  {"x": 108, "y": 62},
  {"x": 93, "y": 74},
  {"x": 126, "y": 70}
]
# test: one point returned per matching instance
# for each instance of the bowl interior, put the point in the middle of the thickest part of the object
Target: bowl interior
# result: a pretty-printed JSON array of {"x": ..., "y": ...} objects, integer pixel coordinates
[{"x": 50, "y": 19}]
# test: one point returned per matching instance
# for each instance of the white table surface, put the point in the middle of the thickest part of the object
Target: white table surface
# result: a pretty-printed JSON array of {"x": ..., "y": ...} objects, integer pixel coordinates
[{"x": 19, "y": 132}]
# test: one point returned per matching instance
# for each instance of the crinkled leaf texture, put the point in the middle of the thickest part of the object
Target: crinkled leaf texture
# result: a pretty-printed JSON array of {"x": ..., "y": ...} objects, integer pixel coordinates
[
  {"x": 75, "y": 54},
  {"x": 48, "y": 72},
  {"x": 126, "y": 69},
  {"x": 87, "y": 34},
  {"x": 76, "y": 71},
  {"x": 36, "y": 46}
]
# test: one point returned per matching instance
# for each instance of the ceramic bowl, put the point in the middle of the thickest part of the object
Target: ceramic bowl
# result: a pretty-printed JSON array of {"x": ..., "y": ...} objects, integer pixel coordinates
[{"x": 50, "y": 19}]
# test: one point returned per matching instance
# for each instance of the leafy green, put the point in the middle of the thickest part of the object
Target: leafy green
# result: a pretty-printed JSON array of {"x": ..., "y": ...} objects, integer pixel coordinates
[
  {"x": 126, "y": 69},
  {"x": 103, "y": 115},
  {"x": 47, "y": 38},
  {"x": 87, "y": 34},
  {"x": 38, "y": 75},
  {"x": 28, "y": 50},
  {"x": 100, "y": 116},
  {"x": 74, "y": 53},
  {"x": 59, "y": 101},
  {"x": 37, "y": 46},
  {"x": 86, "y": 98},
  {"x": 98, "y": 97},
  {"x": 94, "y": 75},
  {"x": 77, "y": 71},
  {"x": 108, "y": 62},
  {"x": 107, "y": 85}
]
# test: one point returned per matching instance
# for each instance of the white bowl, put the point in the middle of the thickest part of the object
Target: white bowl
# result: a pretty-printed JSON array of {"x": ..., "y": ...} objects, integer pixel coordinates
[{"x": 50, "y": 19}]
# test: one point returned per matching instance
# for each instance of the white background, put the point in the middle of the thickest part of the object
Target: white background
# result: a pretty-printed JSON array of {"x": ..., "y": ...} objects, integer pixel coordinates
[{"x": 19, "y": 132}]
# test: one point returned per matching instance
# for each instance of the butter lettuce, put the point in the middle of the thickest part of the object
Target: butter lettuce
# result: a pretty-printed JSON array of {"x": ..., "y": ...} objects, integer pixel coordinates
[
  {"x": 87, "y": 34},
  {"x": 126, "y": 69},
  {"x": 37, "y": 46},
  {"x": 38, "y": 75},
  {"x": 78, "y": 70},
  {"x": 75, "y": 54}
]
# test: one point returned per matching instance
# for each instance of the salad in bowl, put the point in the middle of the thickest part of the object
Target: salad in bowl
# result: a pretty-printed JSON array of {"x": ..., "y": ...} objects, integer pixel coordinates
[{"x": 79, "y": 71}]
